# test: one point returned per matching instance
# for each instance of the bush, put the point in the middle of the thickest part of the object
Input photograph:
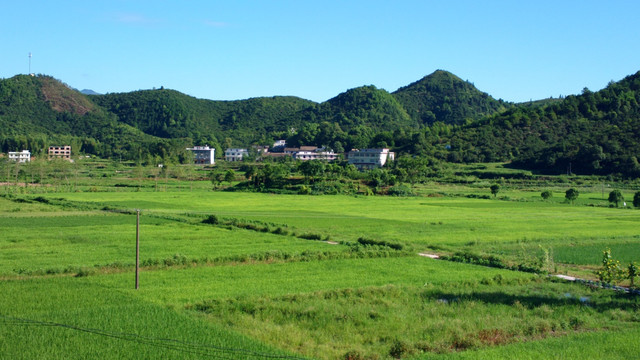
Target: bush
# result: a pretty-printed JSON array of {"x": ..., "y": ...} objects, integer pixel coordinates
[
  {"x": 571, "y": 194},
  {"x": 370, "y": 242},
  {"x": 398, "y": 349},
  {"x": 212, "y": 219},
  {"x": 311, "y": 236},
  {"x": 400, "y": 190},
  {"x": 547, "y": 194}
]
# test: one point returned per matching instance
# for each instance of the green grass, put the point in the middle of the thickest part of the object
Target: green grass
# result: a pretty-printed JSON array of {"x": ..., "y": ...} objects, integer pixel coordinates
[
  {"x": 605, "y": 345},
  {"x": 441, "y": 222},
  {"x": 55, "y": 243},
  {"x": 66, "y": 318},
  {"x": 256, "y": 290},
  {"x": 402, "y": 321}
]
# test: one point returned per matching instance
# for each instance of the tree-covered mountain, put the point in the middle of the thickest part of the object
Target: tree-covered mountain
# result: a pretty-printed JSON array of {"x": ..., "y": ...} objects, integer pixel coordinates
[
  {"x": 591, "y": 133},
  {"x": 36, "y": 112},
  {"x": 171, "y": 114},
  {"x": 444, "y": 97}
]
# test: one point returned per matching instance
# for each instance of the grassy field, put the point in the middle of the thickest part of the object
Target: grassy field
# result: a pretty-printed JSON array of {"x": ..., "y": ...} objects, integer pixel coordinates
[
  {"x": 516, "y": 229},
  {"x": 254, "y": 286}
]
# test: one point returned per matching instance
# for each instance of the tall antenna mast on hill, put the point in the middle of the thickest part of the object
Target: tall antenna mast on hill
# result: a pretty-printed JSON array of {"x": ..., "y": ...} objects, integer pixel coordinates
[{"x": 29, "y": 62}]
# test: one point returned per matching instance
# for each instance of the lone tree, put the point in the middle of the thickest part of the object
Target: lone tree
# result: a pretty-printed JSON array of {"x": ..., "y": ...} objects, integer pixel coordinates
[
  {"x": 616, "y": 197},
  {"x": 632, "y": 271},
  {"x": 495, "y": 189},
  {"x": 546, "y": 195},
  {"x": 636, "y": 200},
  {"x": 571, "y": 194}
]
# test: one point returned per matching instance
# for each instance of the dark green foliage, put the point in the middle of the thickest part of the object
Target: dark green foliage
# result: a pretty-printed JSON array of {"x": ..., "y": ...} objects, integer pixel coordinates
[
  {"x": 439, "y": 118},
  {"x": 444, "y": 97},
  {"x": 572, "y": 194},
  {"x": 495, "y": 189},
  {"x": 592, "y": 133},
  {"x": 400, "y": 190},
  {"x": 398, "y": 349},
  {"x": 636, "y": 199},
  {"x": 371, "y": 242},
  {"x": 492, "y": 261},
  {"x": 547, "y": 194},
  {"x": 632, "y": 273},
  {"x": 36, "y": 112},
  {"x": 615, "y": 197},
  {"x": 311, "y": 169},
  {"x": 310, "y": 236},
  {"x": 212, "y": 219}
]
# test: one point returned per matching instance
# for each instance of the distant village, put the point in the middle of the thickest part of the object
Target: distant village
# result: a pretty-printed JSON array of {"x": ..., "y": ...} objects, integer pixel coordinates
[{"x": 362, "y": 159}]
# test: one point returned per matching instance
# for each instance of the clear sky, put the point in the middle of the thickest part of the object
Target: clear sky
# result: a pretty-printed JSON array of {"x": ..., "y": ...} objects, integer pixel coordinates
[{"x": 315, "y": 49}]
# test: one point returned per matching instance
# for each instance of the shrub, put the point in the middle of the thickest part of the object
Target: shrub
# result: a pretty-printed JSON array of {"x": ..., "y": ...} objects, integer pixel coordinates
[
  {"x": 398, "y": 349},
  {"x": 370, "y": 242},
  {"x": 212, "y": 219},
  {"x": 400, "y": 190},
  {"x": 546, "y": 195},
  {"x": 571, "y": 194},
  {"x": 611, "y": 271},
  {"x": 495, "y": 189},
  {"x": 615, "y": 197},
  {"x": 311, "y": 236},
  {"x": 353, "y": 355}
]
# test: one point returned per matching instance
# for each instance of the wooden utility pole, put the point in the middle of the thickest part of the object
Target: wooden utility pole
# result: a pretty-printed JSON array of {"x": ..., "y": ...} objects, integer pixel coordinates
[{"x": 137, "y": 245}]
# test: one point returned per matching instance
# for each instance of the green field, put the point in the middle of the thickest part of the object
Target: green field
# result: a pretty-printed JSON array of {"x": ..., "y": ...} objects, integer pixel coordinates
[{"x": 252, "y": 286}]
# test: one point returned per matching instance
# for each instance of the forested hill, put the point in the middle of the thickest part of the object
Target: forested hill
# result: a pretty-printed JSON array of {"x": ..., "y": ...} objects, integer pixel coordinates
[
  {"x": 446, "y": 98},
  {"x": 36, "y": 112},
  {"x": 592, "y": 133},
  {"x": 171, "y": 114}
]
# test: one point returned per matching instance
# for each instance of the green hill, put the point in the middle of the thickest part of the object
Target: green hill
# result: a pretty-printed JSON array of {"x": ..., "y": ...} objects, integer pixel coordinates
[
  {"x": 591, "y": 133},
  {"x": 171, "y": 114},
  {"x": 440, "y": 116},
  {"x": 36, "y": 112},
  {"x": 444, "y": 97}
]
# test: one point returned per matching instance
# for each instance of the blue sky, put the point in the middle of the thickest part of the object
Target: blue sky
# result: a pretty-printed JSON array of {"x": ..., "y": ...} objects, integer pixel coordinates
[{"x": 228, "y": 50}]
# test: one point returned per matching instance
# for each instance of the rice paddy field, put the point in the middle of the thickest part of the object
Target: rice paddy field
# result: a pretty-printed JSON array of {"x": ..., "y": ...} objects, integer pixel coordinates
[{"x": 286, "y": 276}]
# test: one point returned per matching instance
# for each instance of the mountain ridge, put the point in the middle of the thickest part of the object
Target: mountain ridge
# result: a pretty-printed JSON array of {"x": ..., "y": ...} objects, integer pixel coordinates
[{"x": 596, "y": 132}]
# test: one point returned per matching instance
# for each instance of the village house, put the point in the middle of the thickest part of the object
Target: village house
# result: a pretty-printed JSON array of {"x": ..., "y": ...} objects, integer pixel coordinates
[
  {"x": 235, "y": 154},
  {"x": 366, "y": 159},
  {"x": 20, "y": 156},
  {"x": 60, "y": 152},
  {"x": 203, "y": 155}
]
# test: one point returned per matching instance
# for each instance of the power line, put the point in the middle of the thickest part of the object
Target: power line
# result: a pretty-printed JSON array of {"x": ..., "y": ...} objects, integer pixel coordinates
[{"x": 217, "y": 352}]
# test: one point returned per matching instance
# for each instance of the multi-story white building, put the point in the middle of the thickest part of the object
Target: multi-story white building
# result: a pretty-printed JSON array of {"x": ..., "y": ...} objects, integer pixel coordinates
[
  {"x": 365, "y": 159},
  {"x": 203, "y": 155},
  {"x": 235, "y": 154},
  {"x": 61, "y": 152},
  {"x": 314, "y": 153},
  {"x": 20, "y": 156}
]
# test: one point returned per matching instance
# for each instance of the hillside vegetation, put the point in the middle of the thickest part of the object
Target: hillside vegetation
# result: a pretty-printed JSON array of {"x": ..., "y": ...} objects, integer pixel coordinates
[
  {"x": 444, "y": 97},
  {"x": 439, "y": 116},
  {"x": 591, "y": 133}
]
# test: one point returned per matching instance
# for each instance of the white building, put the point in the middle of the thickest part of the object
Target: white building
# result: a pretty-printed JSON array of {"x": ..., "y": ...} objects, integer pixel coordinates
[
  {"x": 22, "y": 156},
  {"x": 314, "y": 153},
  {"x": 235, "y": 154},
  {"x": 203, "y": 155},
  {"x": 366, "y": 159}
]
